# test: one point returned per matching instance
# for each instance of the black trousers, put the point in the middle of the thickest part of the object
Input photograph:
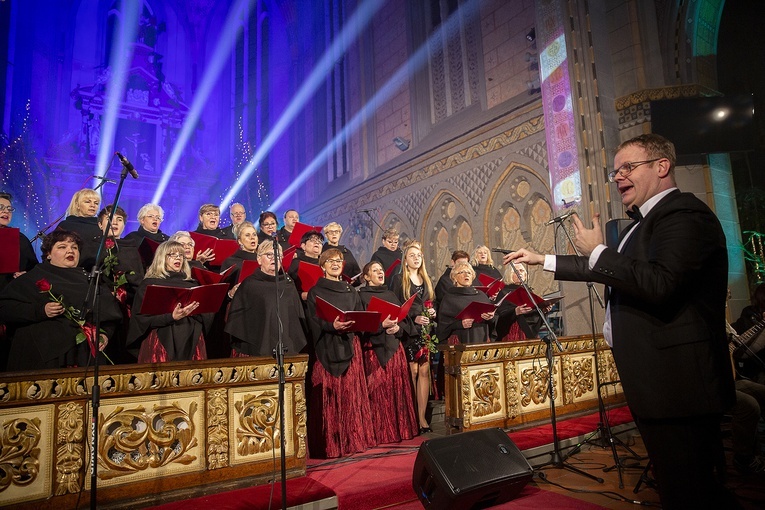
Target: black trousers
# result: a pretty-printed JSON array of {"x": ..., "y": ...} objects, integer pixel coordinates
[{"x": 686, "y": 454}]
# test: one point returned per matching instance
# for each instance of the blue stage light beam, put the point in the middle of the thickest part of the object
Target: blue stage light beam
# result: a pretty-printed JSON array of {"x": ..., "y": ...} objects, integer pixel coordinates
[
  {"x": 403, "y": 73},
  {"x": 352, "y": 28},
  {"x": 232, "y": 27},
  {"x": 119, "y": 61}
]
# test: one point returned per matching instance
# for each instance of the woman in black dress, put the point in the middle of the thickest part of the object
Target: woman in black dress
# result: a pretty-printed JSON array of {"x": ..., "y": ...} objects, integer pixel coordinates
[
  {"x": 465, "y": 331},
  {"x": 247, "y": 237},
  {"x": 253, "y": 322},
  {"x": 339, "y": 414},
  {"x": 268, "y": 223},
  {"x": 385, "y": 365},
  {"x": 388, "y": 253},
  {"x": 81, "y": 218},
  {"x": 43, "y": 332},
  {"x": 27, "y": 257},
  {"x": 175, "y": 336},
  {"x": 414, "y": 280}
]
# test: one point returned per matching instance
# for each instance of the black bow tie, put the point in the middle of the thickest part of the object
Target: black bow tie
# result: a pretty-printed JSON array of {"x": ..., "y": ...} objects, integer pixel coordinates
[{"x": 635, "y": 214}]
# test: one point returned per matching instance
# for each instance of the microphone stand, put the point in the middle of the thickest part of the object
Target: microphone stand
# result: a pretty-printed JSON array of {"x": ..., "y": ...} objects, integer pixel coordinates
[
  {"x": 94, "y": 290},
  {"x": 372, "y": 218},
  {"x": 279, "y": 355},
  {"x": 606, "y": 438},
  {"x": 556, "y": 460}
]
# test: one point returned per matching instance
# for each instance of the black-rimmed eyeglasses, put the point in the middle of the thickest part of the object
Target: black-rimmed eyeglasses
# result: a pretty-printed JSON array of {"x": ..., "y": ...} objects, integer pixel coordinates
[{"x": 627, "y": 168}]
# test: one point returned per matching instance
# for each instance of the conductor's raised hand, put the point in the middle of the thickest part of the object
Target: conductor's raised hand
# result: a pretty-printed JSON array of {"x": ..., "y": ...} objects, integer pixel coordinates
[
  {"x": 523, "y": 255},
  {"x": 587, "y": 239}
]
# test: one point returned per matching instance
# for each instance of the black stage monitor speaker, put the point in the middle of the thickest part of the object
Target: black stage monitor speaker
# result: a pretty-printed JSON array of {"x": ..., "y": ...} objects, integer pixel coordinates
[{"x": 469, "y": 470}]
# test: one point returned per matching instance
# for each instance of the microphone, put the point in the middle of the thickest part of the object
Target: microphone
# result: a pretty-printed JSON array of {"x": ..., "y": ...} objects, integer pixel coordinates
[
  {"x": 127, "y": 164},
  {"x": 104, "y": 179},
  {"x": 559, "y": 219},
  {"x": 502, "y": 250}
]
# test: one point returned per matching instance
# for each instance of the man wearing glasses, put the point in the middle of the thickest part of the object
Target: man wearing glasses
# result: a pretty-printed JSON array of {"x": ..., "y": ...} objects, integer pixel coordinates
[
  {"x": 238, "y": 215},
  {"x": 665, "y": 319}
]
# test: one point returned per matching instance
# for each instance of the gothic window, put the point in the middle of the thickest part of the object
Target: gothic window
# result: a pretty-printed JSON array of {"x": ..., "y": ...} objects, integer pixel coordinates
[
  {"x": 336, "y": 98},
  {"x": 453, "y": 59}
]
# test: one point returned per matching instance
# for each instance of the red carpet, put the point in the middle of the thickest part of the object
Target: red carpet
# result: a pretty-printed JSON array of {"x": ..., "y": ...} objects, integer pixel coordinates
[{"x": 382, "y": 477}]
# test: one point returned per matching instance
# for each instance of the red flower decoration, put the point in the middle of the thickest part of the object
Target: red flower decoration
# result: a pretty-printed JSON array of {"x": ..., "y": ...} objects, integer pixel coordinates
[
  {"x": 43, "y": 285},
  {"x": 109, "y": 244},
  {"x": 428, "y": 304}
]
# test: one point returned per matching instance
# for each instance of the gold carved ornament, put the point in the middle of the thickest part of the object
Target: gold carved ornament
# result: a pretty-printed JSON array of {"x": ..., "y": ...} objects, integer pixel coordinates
[
  {"x": 19, "y": 456},
  {"x": 534, "y": 385},
  {"x": 69, "y": 458},
  {"x": 487, "y": 393},
  {"x": 257, "y": 431},
  {"x": 301, "y": 429},
  {"x": 217, "y": 428},
  {"x": 132, "y": 440}
]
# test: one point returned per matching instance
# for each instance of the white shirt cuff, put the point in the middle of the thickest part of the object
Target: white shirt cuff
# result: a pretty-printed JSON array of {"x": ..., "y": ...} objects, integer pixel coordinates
[
  {"x": 550, "y": 263},
  {"x": 595, "y": 255}
]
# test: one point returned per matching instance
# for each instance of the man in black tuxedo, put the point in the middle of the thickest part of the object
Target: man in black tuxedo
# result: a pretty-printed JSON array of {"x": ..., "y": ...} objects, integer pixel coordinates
[{"x": 665, "y": 319}]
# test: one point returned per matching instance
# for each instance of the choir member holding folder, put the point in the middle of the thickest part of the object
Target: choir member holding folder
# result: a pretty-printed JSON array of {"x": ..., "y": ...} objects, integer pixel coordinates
[
  {"x": 460, "y": 321},
  {"x": 209, "y": 223},
  {"x": 248, "y": 249},
  {"x": 252, "y": 318},
  {"x": 339, "y": 413},
  {"x": 268, "y": 223},
  {"x": 17, "y": 255},
  {"x": 167, "y": 330},
  {"x": 385, "y": 365},
  {"x": 311, "y": 243},
  {"x": 193, "y": 257},
  {"x": 414, "y": 281},
  {"x": 40, "y": 309}
]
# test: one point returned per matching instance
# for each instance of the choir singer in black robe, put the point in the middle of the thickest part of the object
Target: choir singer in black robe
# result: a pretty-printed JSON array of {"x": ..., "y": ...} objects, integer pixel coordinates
[
  {"x": 253, "y": 322},
  {"x": 43, "y": 332},
  {"x": 81, "y": 218},
  {"x": 457, "y": 298},
  {"x": 386, "y": 368},
  {"x": 247, "y": 237},
  {"x": 176, "y": 336},
  {"x": 338, "y": 414}
]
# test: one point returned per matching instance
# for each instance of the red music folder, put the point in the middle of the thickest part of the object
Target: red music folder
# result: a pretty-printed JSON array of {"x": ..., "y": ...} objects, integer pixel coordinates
[
  {"x": 350, "y": 279},
  {"x": 476, "y": 308},
  {"x": 491, "y": 286},
  {"x": 365, "y": 322},
  {"x": 287, "y": 257},
  {"x": 9, "y": 255},
  {"x": 223, "y": 248},
  {"x": 388, "y": 309},
  {"x": 519, "y": 297},
  {"x": 160, "y": 299},
  {"x": 248, "y": 267},
  {"x": 146, "y": 250},
  {"x": 299, "y": 230},
  {"x": 206, "y": 277},
  {"x": 309, "y": 274},
  {"x": 392, "y": 268}
]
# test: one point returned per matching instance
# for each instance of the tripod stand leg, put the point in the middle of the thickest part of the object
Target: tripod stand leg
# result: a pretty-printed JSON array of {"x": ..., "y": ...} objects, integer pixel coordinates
[{"x": 645, "y": 478}]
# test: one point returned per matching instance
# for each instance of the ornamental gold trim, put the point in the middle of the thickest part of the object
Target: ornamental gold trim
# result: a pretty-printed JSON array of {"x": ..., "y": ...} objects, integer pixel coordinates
[
  {"x": 465, "y": 394},
  {"x": 300, "y": 420},
  {"x": 511, "y": 390},
  {"x": 69, "y": 448},
  {"x": 19, "y": 452},
  {"x": 217, "y": 428},
  {"x": 136, "y": 439},
  {"x": 141, "y": 380},
  {"x": 657, "y": 94},
  {"x": 258, "y": 423},
  {"x": 487, "y": 392}
]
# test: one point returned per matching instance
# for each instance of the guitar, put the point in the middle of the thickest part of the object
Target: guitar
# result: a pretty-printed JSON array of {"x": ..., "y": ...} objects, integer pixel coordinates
[{"x": 740, "y": 344}]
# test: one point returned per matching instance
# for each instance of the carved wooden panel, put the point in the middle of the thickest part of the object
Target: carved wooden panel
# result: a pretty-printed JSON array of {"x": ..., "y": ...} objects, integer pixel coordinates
[{"x": 26, "y": 446}]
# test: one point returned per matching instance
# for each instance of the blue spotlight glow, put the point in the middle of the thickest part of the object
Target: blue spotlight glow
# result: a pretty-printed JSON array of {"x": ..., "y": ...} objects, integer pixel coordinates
[
  {"x": 386, "y": 91},
  {"x": 119, "y": 60},
  {"x": 230, "y": 33},
  {"x": 351, "y": 30}
]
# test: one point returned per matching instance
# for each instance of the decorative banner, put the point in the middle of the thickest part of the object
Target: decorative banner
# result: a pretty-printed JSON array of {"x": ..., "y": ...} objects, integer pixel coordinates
[{"x": 555, "y": 82}]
